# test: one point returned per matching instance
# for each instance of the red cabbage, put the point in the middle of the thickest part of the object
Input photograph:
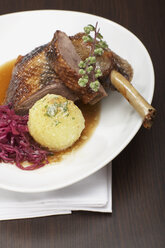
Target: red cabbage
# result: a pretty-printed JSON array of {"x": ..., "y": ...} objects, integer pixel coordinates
[{"x": 16, "y": 144}]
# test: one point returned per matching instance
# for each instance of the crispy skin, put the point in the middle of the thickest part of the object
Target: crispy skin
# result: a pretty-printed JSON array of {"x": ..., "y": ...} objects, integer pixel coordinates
[
  {"x": 32, "y": 78},
  {"x": 121, "y": 65},
  {"x": 27, "y": 75},
  {"x": 64, "y": 60}
]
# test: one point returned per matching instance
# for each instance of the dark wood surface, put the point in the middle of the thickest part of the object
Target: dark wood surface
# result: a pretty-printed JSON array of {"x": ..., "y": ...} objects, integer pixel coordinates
[{"x": 138, "y": 218}]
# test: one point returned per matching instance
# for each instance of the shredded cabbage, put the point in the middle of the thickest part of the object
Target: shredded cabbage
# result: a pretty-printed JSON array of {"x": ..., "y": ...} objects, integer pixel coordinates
[{"x": 16, "y": 144}]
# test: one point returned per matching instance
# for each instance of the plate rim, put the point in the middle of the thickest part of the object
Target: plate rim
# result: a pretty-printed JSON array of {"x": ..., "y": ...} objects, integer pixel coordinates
[{"x": 124, "y": 144}]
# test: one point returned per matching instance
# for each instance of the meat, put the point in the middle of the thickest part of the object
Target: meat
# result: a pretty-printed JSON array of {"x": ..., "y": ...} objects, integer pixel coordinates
[
  {"x": 64, "y": 60},
  {"x": 53, "y": 68},
  {"x": 107, "y": 62},
  {"x": 104, "y": 62},
  {"x": 55, "y": 87},
  {"x": 33, "y": 78}
]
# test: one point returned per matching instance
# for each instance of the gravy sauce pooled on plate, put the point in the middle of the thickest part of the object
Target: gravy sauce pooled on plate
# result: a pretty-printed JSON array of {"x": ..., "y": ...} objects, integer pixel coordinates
[{"x": 5, "y": 76}]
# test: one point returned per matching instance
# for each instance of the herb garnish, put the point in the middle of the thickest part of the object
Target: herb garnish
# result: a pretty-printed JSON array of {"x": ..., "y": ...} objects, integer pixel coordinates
[
  {"x": 53, "y": 109},
  {"x": 88, "y": 70}
]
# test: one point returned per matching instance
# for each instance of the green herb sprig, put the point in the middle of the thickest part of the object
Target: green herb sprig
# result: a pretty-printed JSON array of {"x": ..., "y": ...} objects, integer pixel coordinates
[{"x": 89, "y": 72}]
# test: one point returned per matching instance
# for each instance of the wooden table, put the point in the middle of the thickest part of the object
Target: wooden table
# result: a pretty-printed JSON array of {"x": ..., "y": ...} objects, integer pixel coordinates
[{"x": 138, "y": 218}]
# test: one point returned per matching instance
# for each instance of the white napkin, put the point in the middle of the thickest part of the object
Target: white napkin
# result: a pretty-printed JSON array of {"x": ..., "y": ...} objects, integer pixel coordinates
[{"x": 91, "y": 194}]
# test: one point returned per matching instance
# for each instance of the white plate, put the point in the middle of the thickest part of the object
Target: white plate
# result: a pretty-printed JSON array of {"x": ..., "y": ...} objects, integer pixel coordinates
[{"x": 20, "y": 33}]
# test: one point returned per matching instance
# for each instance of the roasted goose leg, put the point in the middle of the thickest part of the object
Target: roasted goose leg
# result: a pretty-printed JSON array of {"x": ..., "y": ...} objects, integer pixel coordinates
[
  {"x": 53, "y": 68},
  {"x": 121, "y": 73}
]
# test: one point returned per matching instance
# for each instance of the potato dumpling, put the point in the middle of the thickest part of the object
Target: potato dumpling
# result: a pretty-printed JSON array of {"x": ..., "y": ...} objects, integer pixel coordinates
[{"x": 55, "y": 122}]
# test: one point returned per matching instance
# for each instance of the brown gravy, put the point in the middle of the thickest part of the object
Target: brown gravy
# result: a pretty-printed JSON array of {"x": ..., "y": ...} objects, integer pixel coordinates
[
  {"x": 5, "y": 76},
  {"x": 90, "y": 113}
]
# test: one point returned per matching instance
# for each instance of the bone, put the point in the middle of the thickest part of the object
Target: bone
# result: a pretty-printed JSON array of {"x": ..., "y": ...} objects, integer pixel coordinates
[{"x": 146, "y": 111}]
